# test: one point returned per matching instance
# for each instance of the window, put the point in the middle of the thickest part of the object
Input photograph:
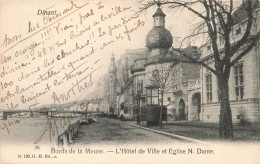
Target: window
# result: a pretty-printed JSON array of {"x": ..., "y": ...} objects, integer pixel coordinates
[
  {"x": 169, "y": 99},
  {"x": 155, "y": 73},
  {"x": 209, "y": 87},
  {"x": 152, "y": 96},
  {"x": 238, "y": 31},
  {"x": 239, "y": 81},
  {"x": 221, "y": 40},
  {"x": 139, "y": 88},
  {"x": 208, "y": 47}
]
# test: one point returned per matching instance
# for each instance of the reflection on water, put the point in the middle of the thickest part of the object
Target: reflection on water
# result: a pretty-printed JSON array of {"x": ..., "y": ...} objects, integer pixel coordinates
[{"x": 28, "y": 130}]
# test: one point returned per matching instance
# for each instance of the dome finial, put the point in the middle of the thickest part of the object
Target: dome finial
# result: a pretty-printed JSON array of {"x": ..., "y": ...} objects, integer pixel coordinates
[
  {"x": 158, "y": 4},
  {"x": 159, "y": 11}
]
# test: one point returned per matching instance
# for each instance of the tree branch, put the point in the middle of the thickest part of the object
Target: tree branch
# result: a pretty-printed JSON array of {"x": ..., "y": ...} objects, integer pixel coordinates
[
  {"x": 187, "y": 6},
  {"x": 249, "y": 48}
]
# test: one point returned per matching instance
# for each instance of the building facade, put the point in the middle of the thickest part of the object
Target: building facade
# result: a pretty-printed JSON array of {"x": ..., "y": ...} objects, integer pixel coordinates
[
  {"x": 163, "y": 70},
  {"x": 244, "y": 83}
]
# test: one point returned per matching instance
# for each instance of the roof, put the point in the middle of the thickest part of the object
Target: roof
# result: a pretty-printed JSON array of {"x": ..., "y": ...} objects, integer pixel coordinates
[
  {"x": 159, "y": 37},
  {"x": 162, "y": 58},
  {"x": 241, "y": 14},
  {"x": 159, "y": 12},
  {"x": 172, "y": 56}
]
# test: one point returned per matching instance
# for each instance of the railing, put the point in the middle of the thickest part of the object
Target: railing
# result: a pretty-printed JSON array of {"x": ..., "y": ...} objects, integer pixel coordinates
[{"x": 65, "y": 138}]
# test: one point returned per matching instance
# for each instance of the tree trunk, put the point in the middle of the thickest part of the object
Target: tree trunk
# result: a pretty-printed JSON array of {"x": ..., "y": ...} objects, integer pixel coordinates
[
  {"x": 225, "y": 119},
  {"x": 139, "y": 113},
  {"x": 160, "y": 119}
]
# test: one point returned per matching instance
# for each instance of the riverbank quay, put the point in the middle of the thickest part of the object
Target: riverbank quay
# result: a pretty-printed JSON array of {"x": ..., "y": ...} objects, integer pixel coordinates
[
  {"x": 34, "y": 131},
  {"x": 65, "y": 138}
]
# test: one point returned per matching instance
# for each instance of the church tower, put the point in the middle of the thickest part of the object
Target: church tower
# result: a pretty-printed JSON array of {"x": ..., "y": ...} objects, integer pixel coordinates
[
  {"x": 112, "y": 85},
  {"x": 159, "y": 39},
  {"x": 159, "y": 17}
]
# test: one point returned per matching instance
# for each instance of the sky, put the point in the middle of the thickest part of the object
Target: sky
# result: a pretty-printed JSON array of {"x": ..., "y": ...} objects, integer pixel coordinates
[{"x": 45, "y": 58}]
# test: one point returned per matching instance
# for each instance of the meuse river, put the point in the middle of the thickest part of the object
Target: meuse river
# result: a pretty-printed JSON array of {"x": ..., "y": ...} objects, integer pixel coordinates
[{"x": 33, "y": 130}]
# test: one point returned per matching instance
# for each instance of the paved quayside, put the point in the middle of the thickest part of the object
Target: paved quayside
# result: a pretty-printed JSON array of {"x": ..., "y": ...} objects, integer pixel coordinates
[{"x": 115, "y": 132}]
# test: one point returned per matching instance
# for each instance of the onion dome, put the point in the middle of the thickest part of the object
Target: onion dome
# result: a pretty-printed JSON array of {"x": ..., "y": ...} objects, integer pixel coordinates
[
  {"x": 112, "y": 67},
  {"x": 159, "y": 37}
]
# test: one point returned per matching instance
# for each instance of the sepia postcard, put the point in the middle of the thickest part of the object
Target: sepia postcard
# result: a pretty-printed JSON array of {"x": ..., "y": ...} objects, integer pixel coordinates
[{"x": 129, "y": 81}]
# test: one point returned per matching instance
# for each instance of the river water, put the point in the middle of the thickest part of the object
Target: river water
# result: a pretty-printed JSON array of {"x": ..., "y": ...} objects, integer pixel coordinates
[{"x": 33, "y": 130}]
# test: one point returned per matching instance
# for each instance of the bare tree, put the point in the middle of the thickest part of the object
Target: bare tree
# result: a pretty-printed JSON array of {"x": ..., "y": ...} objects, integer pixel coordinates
[
  {"x": 137, "y": 95},
  {"x": 161, "y": 78},
  {"x": 217, "y": 20}
]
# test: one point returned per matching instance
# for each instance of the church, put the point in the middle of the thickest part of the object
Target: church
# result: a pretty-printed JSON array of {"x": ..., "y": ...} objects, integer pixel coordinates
[
  {"x": 190, "y": 91},
  {"x": 154, "y": 75}
]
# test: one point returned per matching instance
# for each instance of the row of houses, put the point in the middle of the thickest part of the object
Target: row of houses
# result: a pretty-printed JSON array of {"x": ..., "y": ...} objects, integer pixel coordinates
[{"x": 135, "y": 80}]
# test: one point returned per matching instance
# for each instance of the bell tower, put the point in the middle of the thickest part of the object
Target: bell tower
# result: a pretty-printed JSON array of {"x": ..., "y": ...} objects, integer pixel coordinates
[
  {"x": 159, "y": 17},
  {"x": 112, "y": 85}
]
